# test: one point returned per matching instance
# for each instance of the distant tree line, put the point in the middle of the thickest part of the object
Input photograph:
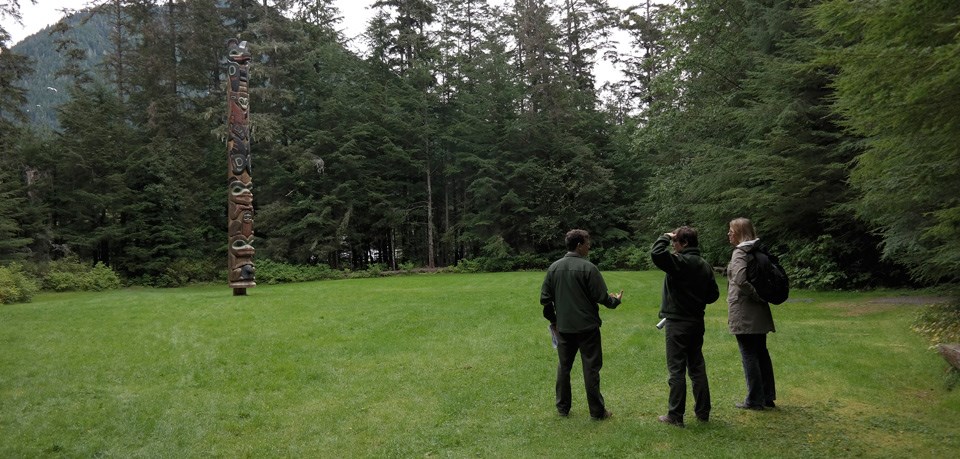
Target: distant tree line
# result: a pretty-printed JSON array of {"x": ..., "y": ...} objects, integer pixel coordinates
[{"x": 471, "y": 133}]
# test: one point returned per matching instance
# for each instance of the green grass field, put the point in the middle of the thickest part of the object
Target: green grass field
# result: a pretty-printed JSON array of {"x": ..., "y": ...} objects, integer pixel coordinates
[{"x": 444, "y": 365}]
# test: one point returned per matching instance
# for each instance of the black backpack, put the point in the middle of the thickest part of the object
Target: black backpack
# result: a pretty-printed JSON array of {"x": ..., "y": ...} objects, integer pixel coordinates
[{"x": 767, "y": 276}]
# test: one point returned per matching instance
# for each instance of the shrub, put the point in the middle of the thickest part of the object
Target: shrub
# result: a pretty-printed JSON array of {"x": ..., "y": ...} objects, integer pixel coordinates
[
  {"x": 939, "y": 323},
  {"x": 275, "y": 272},
  {"x": 489, "y": 264},
  {"x": 101, "y": 277},
  {"x": 467, "y": 266},
  {"x": 494, "y": 256},
  {"x": 70, "y": 275},
  {"x": 629, "y": 257},
  {"x": 530, "y": 261},
  {"x": 15, "y": 285},
  {"x": 185, "y": 271},
  {"x": 811, "y": 265},
  {"x": 375, "y": 270}
]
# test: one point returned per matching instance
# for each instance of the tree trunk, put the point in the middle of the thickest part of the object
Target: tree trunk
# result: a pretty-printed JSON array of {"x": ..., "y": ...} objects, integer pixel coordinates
[
  {"x": 447, "y": 245},
  {"x": 430, "y": 255}
]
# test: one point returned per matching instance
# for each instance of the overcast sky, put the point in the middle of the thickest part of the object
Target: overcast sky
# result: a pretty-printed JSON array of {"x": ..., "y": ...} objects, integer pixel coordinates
[
  {"x": 355, "y": 15},
  {"x": 47, "y": 12}
]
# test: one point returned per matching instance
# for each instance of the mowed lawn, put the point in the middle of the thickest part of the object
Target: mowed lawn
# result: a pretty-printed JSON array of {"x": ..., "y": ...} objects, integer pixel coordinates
[{"x": 446, "y": 365}]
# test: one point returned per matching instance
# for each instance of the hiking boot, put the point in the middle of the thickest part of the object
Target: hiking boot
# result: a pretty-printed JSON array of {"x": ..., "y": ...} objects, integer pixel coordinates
[
  {"x": 606, "y": 415},
  {"x": 666, "y": 419}
]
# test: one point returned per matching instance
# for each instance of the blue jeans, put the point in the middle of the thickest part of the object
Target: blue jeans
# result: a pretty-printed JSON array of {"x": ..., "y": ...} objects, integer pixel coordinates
[{"x": 757, "y": 369}]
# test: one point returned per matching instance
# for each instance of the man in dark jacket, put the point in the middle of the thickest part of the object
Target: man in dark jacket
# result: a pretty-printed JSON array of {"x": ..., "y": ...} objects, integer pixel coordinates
[
  {"x": 570, "y": 293},
  {"x": 687, "y": 289}
]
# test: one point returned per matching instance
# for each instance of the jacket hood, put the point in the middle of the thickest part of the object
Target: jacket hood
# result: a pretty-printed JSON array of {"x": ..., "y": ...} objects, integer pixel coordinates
[{"x": 749, "y": 246}]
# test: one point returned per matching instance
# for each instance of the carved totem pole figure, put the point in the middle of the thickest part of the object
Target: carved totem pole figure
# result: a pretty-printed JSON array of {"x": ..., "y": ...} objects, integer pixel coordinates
[{"x": 240, "y": 192}]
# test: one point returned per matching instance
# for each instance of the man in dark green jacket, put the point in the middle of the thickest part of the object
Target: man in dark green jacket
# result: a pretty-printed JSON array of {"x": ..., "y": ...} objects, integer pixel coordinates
[
  {"x": 688, "y": 288},
  {"x": 570, "y": 293}
]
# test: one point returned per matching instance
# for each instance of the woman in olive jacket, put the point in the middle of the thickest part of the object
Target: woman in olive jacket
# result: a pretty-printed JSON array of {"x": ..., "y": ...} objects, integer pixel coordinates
[{"x": 749, "y": 319}]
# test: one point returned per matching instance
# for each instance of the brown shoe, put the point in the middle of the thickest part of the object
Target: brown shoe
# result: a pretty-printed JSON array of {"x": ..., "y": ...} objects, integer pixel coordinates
[
  {"x": 606, "y": 415},
  {"x": 666, "y": 419}
]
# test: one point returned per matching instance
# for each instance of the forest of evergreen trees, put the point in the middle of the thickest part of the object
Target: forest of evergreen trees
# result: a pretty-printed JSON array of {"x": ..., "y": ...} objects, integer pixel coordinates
[{"x": 467, "y": 133}]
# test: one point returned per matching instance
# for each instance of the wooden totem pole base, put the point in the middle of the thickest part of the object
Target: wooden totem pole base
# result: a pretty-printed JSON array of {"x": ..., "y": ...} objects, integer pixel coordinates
[{"x": 239, "y": 292}]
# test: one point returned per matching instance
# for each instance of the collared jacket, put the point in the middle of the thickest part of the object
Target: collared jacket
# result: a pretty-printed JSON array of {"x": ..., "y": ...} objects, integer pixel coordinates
[
  {"x": 571, "y": 291},
  {"x": 747, "y": 313},
  {"x": 689, "y": 285}
]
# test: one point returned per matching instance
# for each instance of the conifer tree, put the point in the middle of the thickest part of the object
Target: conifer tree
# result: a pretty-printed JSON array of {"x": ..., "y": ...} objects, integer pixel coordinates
[{"x": 896, "y": 79}]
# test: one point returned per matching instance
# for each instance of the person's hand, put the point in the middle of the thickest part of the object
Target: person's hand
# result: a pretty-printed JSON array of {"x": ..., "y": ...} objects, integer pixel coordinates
[
  {"x": 669, "y": 235},
  {"x": 618, "y": 296}
]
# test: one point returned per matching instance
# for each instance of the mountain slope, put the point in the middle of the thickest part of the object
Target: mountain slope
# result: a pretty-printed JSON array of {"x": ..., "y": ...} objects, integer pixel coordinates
[{"x": 46, "y": 91}]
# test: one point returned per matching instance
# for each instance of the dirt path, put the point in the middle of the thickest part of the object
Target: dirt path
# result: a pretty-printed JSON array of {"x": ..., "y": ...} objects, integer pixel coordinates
[
  {"x": 918, "y": 300},
  {"x": 878, "y": 304}
]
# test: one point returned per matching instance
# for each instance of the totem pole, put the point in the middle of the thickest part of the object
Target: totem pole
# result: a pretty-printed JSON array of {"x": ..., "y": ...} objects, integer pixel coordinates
[{"x": 240, "y": 185}]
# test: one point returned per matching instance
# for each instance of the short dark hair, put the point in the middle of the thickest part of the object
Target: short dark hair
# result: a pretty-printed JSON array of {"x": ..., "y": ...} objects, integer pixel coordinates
[
  {"x": 576, "y": 237},
  {"x": 686, "y": 236}
]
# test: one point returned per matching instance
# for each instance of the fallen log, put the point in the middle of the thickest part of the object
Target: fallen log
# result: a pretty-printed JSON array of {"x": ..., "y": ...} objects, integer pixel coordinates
[{"x": 951, "y": 353}]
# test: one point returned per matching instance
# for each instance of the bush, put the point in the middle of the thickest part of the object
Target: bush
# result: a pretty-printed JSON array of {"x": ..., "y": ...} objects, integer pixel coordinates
[
  {"x": 15, "y": 285},
  {"x": 375, "y": 270},
  {"x": 185, "y": 271},
  {"x": 939, "y": 323},
  {"x": 467, "y": 266},
  {"x": 489, "y": 264},
  {"x": 811, "y": 265},
  {"x": 630, "y": 257},
  {"x": 102, "y": 278},
  {"x": 530, "y": 261},
  {"x": 70, "y": 275},
  {"x": 275, "y": 272}
]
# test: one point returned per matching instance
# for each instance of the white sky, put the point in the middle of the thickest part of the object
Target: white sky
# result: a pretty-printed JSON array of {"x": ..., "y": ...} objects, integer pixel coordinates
[
  {"x": 355, "y": 15},
  {"x": 47, "y": 12}
]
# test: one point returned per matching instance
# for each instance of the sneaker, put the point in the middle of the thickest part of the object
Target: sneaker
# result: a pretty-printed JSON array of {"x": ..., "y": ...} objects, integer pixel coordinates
[
  {"x": 744, "y": 406},
  {"x": 666, "y": 419},
  {"x": 563, "y": 414},
  {"x": 606, "y": 415}
]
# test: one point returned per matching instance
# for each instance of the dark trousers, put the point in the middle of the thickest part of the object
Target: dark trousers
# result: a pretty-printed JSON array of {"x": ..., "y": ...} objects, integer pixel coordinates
[
  {"x": 591, "y": 355},
  {"x": 758, "y": 369},
  {"x": 685, "y": 355}
]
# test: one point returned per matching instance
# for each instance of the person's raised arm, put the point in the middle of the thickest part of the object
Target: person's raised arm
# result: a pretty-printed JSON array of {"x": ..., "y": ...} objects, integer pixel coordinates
[{"x": 661, "y": 256}]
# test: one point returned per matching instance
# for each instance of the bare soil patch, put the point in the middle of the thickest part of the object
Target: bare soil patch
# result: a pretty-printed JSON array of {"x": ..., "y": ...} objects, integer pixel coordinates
[
  {"x": 915, "y": 299},
  {"x": 883, "y": 304}
]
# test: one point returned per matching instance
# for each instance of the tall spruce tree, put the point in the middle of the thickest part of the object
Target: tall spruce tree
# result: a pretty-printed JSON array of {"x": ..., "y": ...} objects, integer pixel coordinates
[
  {"x": 749, "y": 133},
  {"x": 409, "y": 54},
  {"x": 13, "y": 68},
  {"x": 14, "y": 242},
  {"x": 896, "y": 79}
]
